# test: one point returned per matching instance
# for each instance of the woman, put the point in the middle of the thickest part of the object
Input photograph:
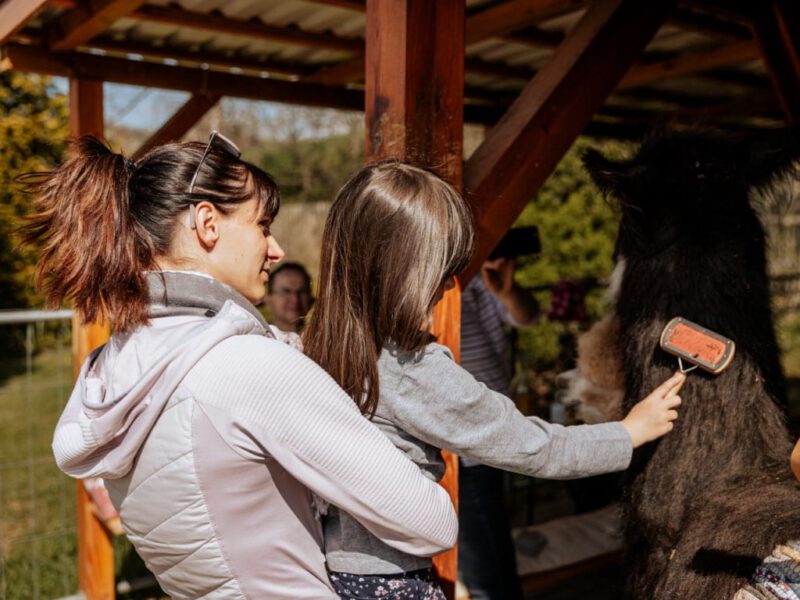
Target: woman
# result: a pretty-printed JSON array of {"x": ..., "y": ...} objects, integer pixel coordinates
[
  {"x": 369, "y": 331},
  {"x": 213, "y": 436}
]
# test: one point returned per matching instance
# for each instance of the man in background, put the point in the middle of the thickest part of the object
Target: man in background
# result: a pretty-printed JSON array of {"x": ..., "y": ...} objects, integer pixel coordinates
[
  {"x": 490, "y": 303},
  {"x": 289, "y": 296}
]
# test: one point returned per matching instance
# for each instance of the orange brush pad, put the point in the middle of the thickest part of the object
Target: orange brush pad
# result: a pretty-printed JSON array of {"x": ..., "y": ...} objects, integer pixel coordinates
[{"x": 697, "y": 344}]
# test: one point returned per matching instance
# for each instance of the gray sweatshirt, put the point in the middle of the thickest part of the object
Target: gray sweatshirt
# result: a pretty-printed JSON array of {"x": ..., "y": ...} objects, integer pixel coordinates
[{"x": 428, "y": 402}]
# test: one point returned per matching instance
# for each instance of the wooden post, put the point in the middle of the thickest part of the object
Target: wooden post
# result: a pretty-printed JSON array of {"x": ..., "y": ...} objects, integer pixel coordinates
[
  {"x": 95, "y": 550},
  {"x": 414, "y": 97}
]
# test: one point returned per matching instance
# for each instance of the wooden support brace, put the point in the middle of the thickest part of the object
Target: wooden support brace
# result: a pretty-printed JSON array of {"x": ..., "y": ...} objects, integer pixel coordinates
[
  {"x": 181, "y": 122},
  {"x": 776, "y": 44},
  {"x": 788, "y": 16},
  {"x": 15, "y": 13},
  {"x": 521, "y": 151},
  {"x": 87, "y": 20}
]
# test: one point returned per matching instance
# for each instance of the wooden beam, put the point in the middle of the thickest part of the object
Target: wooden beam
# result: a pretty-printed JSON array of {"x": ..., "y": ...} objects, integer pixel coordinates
[
  {"x": 200, "y": 57},
  {"x": 414, "y": 98},
  {"x": 14, "y": 14},
  {"x": 414, "y": 111},
  {"x": 87, "y": 20},
  {"x": 777, "y": 57},
  {"x": 507, "y": 17},
  {"x": 690, "y": 63},
  {"x": 708, "y": 24},
  {"x": 95, "y": 549},
  {"x": 497, "y": 20},
  {"x": 182, "y": 121},
  {"x": 357, "y": 5},
  {"x": 521, "y": 151},
  {"x": 167, "y": 15},
  {"x": 196, "y": 81},
  {"x": 642, "y": 73}
]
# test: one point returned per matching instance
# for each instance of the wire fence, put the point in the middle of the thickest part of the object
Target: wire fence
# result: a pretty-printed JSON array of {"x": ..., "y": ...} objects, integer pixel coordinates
[{"x": 38, "y": 545}]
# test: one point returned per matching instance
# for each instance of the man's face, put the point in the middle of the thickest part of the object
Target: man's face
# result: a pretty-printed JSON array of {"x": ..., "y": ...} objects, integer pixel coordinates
[{"x": 290, "y": 300}]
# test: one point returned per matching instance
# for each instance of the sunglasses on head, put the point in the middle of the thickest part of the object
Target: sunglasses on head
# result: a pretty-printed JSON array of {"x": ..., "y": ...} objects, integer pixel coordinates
[{"x": 219, "y": 142}]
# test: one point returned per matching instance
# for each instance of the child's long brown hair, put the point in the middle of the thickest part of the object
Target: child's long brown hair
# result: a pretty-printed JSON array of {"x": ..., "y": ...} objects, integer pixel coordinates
[
  {"x": 394, "y": 235},
  {"x": 103, "y": 220}
]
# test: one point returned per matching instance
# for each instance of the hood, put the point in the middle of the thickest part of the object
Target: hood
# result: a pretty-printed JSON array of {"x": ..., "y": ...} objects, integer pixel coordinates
[{"x": 124, "y": 385}]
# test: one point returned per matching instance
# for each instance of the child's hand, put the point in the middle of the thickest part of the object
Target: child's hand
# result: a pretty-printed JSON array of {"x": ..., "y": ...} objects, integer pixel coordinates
[{"x": 652, "y": 417}]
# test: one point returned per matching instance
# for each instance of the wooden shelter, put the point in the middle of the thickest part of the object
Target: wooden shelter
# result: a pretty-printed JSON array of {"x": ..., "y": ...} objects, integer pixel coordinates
[{"x": 537, "y": 73}]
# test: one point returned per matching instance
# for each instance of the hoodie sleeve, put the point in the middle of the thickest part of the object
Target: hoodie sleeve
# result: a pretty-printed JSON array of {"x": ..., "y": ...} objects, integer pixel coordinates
[
  {"x": 299, "y": 416},
  {"x": 440, "y": 403}
]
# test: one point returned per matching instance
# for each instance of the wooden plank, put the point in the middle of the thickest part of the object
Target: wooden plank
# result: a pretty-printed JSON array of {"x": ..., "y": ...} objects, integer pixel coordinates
[
  {"x": 414, "y": 111},
  {"x": 521, "y": 151},
  {"x": 182, "y": 121},
  {"x": 87, "y": 20},
  {"x": 778, "y": 60},
  {"x": 14, "y": 14},
  {"x": 200, "y": 81},
  {"x": 95, "y": 550},
  {"x": 168, "y": 15}
]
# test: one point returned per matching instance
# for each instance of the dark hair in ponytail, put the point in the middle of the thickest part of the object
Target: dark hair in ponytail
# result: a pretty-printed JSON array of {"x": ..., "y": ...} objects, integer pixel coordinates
[{"x": 101, "y": 221}]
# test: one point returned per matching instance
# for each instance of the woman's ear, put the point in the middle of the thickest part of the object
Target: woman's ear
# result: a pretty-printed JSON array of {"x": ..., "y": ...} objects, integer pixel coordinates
[{"x": 207, "y": 219}]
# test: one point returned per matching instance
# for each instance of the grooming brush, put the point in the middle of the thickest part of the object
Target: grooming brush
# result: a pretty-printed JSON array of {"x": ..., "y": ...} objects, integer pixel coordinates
[{"x": 696, "y": 345}]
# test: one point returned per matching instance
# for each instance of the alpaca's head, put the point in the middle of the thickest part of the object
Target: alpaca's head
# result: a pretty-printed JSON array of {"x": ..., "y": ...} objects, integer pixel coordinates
[
  {"x": 693, "y": 246},
  {"x": 689, "y": 188}
]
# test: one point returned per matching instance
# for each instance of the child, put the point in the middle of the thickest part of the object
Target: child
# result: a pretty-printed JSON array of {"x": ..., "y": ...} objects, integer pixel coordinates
[{"x": 395, "y": 237}]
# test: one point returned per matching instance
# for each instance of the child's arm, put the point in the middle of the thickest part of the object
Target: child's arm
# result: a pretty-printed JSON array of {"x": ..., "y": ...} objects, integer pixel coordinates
[{"x": 440, "y": 403}]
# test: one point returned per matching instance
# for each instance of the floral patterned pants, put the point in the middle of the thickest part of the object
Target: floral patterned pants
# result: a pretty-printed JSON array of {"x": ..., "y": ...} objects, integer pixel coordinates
[{"x": 414, "y": 585}]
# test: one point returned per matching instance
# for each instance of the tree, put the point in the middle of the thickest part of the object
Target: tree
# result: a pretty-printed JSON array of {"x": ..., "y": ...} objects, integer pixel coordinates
[
  {"x": 33, "y": 122},
  {"x": 577, "y": 227}
]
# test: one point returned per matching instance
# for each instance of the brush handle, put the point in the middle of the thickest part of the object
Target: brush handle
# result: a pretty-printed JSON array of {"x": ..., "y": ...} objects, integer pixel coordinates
[{"x": 676, "y": 388}]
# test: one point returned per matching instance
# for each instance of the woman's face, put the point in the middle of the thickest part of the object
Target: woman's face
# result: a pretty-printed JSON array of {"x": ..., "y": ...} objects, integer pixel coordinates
[{"x": 243, "y": 251}]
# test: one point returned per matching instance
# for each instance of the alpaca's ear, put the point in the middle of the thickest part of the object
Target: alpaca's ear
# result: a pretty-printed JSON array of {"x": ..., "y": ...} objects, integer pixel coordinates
[
  {"x": 610, "y": 176},
  {"x": 773, "y": 154}
]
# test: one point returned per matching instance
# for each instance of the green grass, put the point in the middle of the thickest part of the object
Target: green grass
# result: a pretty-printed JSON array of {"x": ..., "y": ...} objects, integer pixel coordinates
[{"x": 37, "y": 501}]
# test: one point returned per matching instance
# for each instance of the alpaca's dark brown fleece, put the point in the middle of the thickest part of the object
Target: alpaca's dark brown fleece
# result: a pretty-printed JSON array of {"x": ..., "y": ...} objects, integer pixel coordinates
[{"x": 705, "y": 504}]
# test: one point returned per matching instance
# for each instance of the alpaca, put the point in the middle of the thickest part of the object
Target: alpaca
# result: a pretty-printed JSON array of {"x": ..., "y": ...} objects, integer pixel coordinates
[
  {"x": 594, "y": 388},
  {"x": 705, "y": 504}
]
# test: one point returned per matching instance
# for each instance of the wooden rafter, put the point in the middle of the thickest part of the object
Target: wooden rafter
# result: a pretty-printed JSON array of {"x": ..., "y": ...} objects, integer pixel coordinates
[
  {"x": 778, "y": 59},
  {"x": 85, "y": 21},
  {"x": 194, "y": 80},
  {"x": 167, "y": 15},
  {"x": 642, "y": 73},
  {"x": 690, "y": 63},
  {"x": 14, "y": 14},
  {"x": 708, "y": 24},
  {"x": 200, "y": 57},
  {"x": 254, "y": 28},
  {"x": 178, "y": 124},
  {"x": 522, "y": 149},
  {"x": 507, "y": 17}
]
